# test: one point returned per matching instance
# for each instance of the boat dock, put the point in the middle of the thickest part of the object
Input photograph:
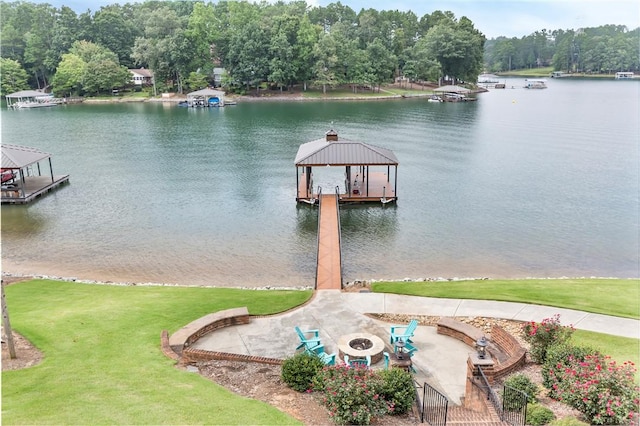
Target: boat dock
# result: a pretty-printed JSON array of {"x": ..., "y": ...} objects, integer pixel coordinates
[
  {"x": 329, "y": 266},
  {"x": 33, "y": 188},
  {"x": 23, "y": 179}
]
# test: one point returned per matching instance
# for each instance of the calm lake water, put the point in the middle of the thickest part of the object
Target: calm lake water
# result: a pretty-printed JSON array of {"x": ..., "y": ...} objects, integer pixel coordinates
[{"x": 522, "y": 183}]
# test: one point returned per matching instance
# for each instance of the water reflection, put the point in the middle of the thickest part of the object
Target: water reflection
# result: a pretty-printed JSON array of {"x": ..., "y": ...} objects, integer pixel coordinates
[
  {"x": 489, "y": 188},
  {"x": 21, "y": 221}
]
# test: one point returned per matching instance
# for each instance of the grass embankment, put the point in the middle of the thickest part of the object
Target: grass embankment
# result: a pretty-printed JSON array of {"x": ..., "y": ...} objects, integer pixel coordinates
[
  {"x": 602, "y": 296},
  {"x": 347, "y": 93},
  {"x": 102, "y": 360}
]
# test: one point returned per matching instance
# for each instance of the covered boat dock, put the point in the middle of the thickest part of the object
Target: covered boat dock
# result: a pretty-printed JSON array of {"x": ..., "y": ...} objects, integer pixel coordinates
[
  {"x": 205, "y": 98},
  {"x": 22, "y": 176},
  {"x": 370, "y": 172}
]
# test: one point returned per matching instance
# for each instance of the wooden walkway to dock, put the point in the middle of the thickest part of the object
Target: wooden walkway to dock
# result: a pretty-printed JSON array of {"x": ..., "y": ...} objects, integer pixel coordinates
[{"x": 329, "y": 267}]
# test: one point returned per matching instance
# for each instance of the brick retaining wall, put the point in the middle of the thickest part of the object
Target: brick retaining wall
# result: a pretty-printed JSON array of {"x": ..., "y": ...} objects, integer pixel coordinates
[
  {"x": 190, "y": 333},
  {"x": 509, "y": 345},
  {"x": 515, "y": 353}
]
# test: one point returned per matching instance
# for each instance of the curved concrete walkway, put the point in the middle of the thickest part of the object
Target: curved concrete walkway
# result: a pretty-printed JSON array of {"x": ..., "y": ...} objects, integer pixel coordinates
[{"x": 440, "y": 360}]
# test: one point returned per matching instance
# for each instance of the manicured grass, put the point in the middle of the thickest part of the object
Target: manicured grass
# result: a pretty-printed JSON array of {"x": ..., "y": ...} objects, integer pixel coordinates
[
  {"x": 620, "y": 349},
  {"x": 617, "y": 297},
  {"x": 531, "y": 72},
  {"x": 102, "y": 359}
]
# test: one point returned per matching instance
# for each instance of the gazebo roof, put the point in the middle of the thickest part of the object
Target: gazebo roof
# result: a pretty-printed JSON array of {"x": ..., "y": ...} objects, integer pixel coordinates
[
  {"x": 206, "y": 92},
  {"x": 343, "y": 152},
  {"x": 452, "y": 89},
  {"x": 17, "y": 157},
  {"x": 26, "y": 94}
]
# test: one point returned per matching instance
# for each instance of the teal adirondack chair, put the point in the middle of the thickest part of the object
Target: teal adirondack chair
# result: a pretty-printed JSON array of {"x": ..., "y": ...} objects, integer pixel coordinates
[
  {"x": 404, "y": 332},
  {"x": 358, "y": 362},
  {"x": 308, "y": 342}
]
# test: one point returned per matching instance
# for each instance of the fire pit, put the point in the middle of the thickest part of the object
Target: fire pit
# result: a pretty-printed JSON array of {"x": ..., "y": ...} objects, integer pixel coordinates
[{"x": 359, "y": 345}]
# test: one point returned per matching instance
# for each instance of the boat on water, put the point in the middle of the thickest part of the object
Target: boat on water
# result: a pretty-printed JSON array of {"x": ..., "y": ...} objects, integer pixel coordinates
[
  {"x": 559, "y": 74},
  {"x": 623, "y": 75},
  {"x": 435, "y": 98},
  {"x": 534, "y": 83},
  {"x": 33, "y": 104}
]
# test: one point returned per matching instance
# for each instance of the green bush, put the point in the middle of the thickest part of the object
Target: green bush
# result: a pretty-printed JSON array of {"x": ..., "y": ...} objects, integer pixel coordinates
[
  {"x": 352, "y": 395},
  {"x": 512, "y": 400},
  {"x": 299, "y": 371},
  {"x": 560, "y": 357},
  {"x": 538, "y": 415},
  {"x": 544, "y": 334},
  {"x": 568, "y": 421},
  {"x": 398, "y": 389}
]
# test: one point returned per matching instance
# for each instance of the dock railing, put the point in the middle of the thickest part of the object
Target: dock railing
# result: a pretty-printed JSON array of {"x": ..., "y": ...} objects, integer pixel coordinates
[
  {"x": 339, "y": 231},
  {"x": 318, "y": 232}
]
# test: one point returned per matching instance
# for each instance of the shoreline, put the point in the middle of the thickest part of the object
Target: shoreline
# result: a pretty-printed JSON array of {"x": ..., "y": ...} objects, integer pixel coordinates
[
  {"x": 17, "y": 277},
  {"x": 275, "y": 98}
]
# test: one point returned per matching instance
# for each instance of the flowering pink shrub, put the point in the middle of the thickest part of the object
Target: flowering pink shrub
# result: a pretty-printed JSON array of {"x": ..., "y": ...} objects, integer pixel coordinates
[
  {"x": 603, "y": 391},
  {"x": 351, "y": 394},
  {"x": 542, "y": 335}
]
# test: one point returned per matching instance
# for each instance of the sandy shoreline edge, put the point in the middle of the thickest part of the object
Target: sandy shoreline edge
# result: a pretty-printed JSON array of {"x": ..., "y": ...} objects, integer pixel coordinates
[{"x": 14, "y": 277}]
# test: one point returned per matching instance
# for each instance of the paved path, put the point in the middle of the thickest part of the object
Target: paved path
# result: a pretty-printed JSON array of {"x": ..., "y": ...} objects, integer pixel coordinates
[{"x": 440, "y": 360}]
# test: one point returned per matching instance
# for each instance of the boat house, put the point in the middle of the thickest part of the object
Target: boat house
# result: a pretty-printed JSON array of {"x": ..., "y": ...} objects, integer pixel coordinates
[
  {"x": 22, "y": 176},
  {"x": 452, "y": 93},
  {"x": 370, "y": 172},
  {"x": 30, "y": 99},
  {"x": 205, "y": 98}
]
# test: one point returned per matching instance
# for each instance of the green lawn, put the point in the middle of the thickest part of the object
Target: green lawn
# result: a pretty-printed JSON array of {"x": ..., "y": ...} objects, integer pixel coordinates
[
  {"x": 604, "y": 296},
  {"x": 616, "y": 297},
  {"x": 620, "y": 349},
  {"x": 102, "y": 360}
]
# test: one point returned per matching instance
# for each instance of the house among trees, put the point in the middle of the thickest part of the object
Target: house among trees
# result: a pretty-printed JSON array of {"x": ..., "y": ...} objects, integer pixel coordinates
[{"x": 141, "y": 77}]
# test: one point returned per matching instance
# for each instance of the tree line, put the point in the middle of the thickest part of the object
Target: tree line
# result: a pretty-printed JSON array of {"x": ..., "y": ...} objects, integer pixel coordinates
[
  {"x": 602, "y": 50},
  {"x": 281, "y": 44}
]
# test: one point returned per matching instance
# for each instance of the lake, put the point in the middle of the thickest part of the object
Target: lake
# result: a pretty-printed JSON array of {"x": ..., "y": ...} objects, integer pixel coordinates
[{"x": 521, "y": 183}]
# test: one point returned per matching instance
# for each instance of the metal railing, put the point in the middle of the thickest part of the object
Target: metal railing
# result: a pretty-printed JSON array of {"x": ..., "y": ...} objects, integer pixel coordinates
[
  {"x": 339, "y": 231},
  {"x": 318, "y": 234},
  {"x": 434, "y": 406},
  {"x": 512, "y": 407}
]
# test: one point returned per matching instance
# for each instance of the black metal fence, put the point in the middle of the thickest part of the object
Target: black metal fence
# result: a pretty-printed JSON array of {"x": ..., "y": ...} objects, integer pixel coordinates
[
  {"x": 434, "y": 407},
  {"x": 511, "y": 406}
]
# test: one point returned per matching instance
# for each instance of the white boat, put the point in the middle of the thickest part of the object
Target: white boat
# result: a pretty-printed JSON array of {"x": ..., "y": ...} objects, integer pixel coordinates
[
  {"x": 487, "y": 79},
  {"x": 33, "y": 104},
  {"x": 623, "y": 75},
  {"x": 534, "y": 83},
  {"x": 434, "y": 98},
  {"x": 559, "y": 74}
]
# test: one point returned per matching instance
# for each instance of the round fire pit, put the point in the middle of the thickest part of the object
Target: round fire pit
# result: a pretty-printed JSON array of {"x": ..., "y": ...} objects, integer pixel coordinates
[{"x": 359, "y": 345}]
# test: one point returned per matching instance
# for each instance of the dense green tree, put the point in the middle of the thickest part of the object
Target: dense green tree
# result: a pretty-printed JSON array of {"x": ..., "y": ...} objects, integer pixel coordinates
[
  {"x": 457, "y": 46},
  {"x": 104, "y": 74},
  {"x": 69, "y": 76},
  {"x": 162, "y": 48},
  {"x": 306, "y": 39},
  {"x": 196, "y": 81},
  {"x": 114, "y": 28},
  {"x": 325, "y": 53},
  {"x": 290, "y": 43},
  {"x": 382, "y": 63},
  {"x": 248, "y": 59},
  {"x": 14, "y": 77}
]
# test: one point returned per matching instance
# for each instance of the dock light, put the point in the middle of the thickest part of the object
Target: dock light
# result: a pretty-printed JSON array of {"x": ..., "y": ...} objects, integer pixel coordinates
[
  {"x": 400, "y": 344},
  {"x": 481, "y": 347}
]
